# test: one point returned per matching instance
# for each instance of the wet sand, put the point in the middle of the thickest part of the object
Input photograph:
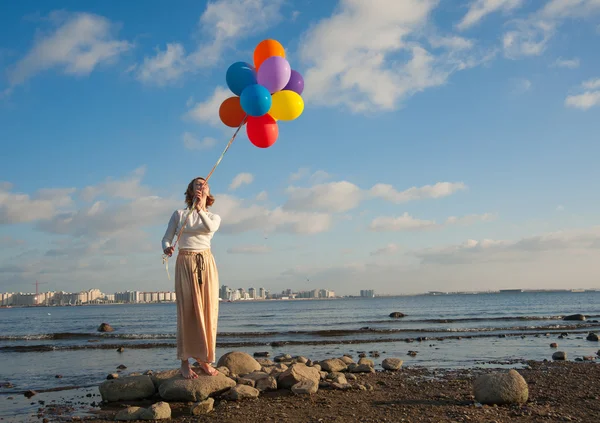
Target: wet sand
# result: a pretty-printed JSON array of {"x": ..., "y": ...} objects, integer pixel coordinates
[{"x": 558, "y": 391}]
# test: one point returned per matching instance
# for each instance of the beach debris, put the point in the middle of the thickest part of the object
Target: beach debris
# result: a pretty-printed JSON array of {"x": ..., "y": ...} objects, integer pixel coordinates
[
  {"x": 297, "y": 373},
  {"x": 397, "y": 315},
  {"x": 127, "y": 389},
  {"x": 240, "y": 392},
  {"x": 554, "y": 345},
  {"x": 306, "y": 387},
  {"x": 105, "y": 327},
  {"x": 392, "y": 364},
  {"x": 202, "y": 407},
  {"x": 182, "y": 390},
  {"x": 501, "y": 388},
  {"x": 559, "y": 356},
  {"x": 574, "y": 317},
  {"x": 239, "y": 363},
  {"x": 592, "y": 337}
]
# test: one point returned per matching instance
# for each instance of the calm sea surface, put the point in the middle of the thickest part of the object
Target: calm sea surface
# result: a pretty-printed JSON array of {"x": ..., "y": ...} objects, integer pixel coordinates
[{"x": 36, "y": 344}]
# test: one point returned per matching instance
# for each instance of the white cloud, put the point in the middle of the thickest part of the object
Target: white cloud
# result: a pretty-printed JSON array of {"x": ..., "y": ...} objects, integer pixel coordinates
[
  {"x": 567, "y": 63},
  {"x": 22, "y": 208},
  {"x": 354, "y": 55},
  {"x": 406, "y": 222},
  {"x": 77, "y": 44},
  {"x": 387, "y": 250},
  {"x": 438, "y": 190},
  {"x": 262, "y": 196},
  {"x": 524, "y": 249},
  {"x": 190, "y": 142},
  {"x": 521, "y": 86},
  {"x": 241, "y": 179},
  {"x": 127, "y": 188},
  {"x": 249, "y": 249},
  {"x": 560, "y": 208},
  {"x": 527, "y": 38},
  {"x": 530, "y": 36},
  {"x": 239, "y": 216},
  {"x": 401, "y": 223},
  {"x": 222, "y": 24},
  {"x": 302, "y": 173},
  {"x": 479, "y": 9},
  {"x": 332, "y": 197},
  {"x": 588, "y": 97},
  {"x": 208, "y": 110}
]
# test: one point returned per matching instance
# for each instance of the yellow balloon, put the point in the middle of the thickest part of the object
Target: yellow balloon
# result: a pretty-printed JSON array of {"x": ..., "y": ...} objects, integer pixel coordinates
[{"x": 286, "y": 105}]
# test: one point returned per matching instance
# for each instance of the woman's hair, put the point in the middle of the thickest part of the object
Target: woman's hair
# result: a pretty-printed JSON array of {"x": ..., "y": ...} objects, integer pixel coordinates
[{"x": 189, "y": 194}]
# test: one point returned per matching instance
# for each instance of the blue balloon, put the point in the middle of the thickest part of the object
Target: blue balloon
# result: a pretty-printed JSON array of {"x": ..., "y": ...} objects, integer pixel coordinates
[
  {"x": 255, "y": 100},
  {"x": 239, "y": 76}
]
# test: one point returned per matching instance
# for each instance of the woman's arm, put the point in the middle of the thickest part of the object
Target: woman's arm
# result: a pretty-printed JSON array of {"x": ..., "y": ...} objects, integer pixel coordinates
[
  {"x": 212, "y": 224},
  {"x": 170, "y": 232}
]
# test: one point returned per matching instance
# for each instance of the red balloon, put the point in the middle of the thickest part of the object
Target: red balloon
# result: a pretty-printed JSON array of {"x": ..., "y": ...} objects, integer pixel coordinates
[{"x": 262, "y": 130}]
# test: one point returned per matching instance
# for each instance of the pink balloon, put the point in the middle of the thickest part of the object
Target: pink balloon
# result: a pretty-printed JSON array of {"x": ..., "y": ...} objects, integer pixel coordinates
[{"x": 274, "y": 73}]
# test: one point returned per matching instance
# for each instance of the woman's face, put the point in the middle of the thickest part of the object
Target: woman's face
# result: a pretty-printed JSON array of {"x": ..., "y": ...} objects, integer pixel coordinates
[{"x": 201, "y": 184}]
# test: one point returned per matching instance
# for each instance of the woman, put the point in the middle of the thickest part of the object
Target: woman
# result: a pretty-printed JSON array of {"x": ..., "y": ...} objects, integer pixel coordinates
[{"x": 196, "y": 279}]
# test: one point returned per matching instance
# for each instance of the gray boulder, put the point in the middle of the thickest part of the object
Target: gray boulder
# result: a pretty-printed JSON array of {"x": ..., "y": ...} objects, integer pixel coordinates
[
  {"x": 239, "y": 363},
  {"x": 501, "y": 388},
  {"x": 193, "y": 390}
]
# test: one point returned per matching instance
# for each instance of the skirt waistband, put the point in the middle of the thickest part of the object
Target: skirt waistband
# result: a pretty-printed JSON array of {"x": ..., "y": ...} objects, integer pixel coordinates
[{"x": 193, "y": 252}]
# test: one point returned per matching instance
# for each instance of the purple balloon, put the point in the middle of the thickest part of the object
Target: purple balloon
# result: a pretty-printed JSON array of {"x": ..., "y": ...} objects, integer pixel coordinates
[
  {"x": 296, "y": 82},
  {"x": 274, "y": 73}
]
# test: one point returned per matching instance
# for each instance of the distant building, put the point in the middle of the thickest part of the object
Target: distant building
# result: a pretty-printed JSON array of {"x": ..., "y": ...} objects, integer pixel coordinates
[
  {"x": 367, "y": 293},
  {"x": 251, "y": 293},
  {"x": 261, "y": 293}
]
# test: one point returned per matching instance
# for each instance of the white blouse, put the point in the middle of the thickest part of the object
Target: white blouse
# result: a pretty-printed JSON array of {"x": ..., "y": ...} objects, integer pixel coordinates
[{"x": 198, "y": 232}]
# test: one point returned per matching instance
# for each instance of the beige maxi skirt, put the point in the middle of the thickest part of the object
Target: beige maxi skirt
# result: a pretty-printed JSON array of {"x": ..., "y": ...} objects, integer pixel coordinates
[{"x": 197, "y": 296}]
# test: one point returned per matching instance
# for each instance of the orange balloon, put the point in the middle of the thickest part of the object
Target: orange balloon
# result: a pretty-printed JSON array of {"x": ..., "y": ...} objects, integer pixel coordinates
[
  {"x": 231, "y": 112},
  {"x": 266, "y": 49}
]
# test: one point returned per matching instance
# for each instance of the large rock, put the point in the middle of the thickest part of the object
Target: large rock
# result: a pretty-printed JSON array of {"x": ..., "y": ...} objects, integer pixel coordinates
[
  {"x": 397, "y": 315},
  {"x": 333, "y": 365},
  {"x": 160, "y": 377},
  {"x": 592, "y": 337},
  {"x": 159, "y": 411},
  {"x": 127, "y": 389},
  {"x": 193, "y": 390},
  {"x": 366, "y": 361},
  {"x": 392, "y": 364},
  {"x": 202, "y": 407},
  {"x": 239, "y": 363},
  {"x": 298, "y": 373},
  {"x": 559, "y": 356},
  {"x": 574, "y": 317},
  {"x": 306, "y": 387},
  {"x": 105, "y": 327},
  {"x": 240, "y": 392},
  {"x": 268, "y": 383},
  {"x": 501, "y": 388}
]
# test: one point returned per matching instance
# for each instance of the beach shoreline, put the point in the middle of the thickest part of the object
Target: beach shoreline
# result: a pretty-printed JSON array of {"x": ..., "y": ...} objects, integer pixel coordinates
[{"x": 558, "y": 391}]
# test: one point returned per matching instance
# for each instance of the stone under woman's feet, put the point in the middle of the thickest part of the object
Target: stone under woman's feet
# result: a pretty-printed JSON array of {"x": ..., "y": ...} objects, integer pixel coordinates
[
  {"x": 208, "y": 369},
  {"x": 187, "y": 372}
]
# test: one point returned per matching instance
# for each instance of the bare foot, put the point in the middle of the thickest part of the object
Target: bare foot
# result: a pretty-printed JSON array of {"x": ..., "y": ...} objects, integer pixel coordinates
[
  {"x": 187, "y": 372},
  {"x": 208, "y": 369}
]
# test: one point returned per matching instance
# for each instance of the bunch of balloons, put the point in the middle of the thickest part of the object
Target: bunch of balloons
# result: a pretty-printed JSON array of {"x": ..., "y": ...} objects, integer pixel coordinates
[{"x": 264, "y": 93}]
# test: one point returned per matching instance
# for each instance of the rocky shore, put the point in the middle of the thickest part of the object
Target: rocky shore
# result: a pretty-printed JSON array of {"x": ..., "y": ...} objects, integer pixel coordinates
[{"x": 296, "y": 389}]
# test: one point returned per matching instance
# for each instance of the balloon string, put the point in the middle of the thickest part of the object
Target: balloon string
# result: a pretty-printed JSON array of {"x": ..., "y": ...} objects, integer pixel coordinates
[{"x": 166, "y": 257}]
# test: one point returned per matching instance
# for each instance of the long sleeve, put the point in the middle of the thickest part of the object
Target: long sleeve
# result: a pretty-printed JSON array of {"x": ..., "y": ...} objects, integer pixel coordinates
[
  {"x": 170, "y": 232},
  {"x": 211, "y": 222}
]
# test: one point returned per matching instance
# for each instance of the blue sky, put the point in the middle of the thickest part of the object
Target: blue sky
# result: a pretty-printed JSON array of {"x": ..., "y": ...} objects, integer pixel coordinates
[{"x": 444, "y": 145}]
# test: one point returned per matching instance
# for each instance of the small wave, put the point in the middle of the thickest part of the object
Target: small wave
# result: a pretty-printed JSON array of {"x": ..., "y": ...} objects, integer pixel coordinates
[{"x": 273, "y": 344}]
